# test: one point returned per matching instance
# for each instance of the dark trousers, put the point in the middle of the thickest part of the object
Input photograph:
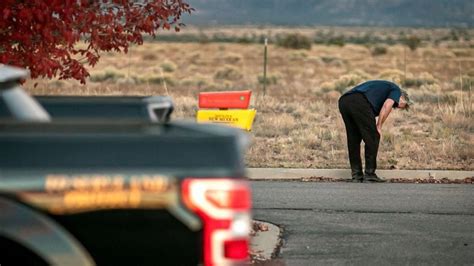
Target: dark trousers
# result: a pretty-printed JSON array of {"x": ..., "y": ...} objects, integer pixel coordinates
[{"x": 359, "y": 120}]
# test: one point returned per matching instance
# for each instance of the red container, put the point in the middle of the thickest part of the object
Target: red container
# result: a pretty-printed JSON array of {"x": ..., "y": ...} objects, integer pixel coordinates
[{"x": 225, "y": 99}]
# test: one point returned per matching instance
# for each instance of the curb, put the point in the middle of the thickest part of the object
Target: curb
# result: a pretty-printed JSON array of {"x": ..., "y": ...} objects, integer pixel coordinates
[
  {"x": 298, "y": 174},
  {"x": 264, "y": 244}
]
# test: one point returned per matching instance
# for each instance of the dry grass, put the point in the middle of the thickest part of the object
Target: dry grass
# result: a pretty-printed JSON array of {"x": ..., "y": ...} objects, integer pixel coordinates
[{"x": 297, "y": 123}]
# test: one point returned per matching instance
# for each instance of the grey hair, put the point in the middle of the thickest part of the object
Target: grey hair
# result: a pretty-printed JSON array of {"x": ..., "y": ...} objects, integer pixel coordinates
[{"x": 407, "y": 99}]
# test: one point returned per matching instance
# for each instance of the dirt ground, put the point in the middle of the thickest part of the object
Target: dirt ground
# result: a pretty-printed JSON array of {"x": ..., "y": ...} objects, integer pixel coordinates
[{"x": 297, "y": 123}]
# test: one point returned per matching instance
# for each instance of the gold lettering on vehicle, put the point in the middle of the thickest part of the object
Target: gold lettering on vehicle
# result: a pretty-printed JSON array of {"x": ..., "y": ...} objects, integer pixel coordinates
[
  {"x": 55, "y": 183},
  {"x": 106, "y": 199},
  {"x": 149, "y": 183},
  {"x": 73, "y": 193}
]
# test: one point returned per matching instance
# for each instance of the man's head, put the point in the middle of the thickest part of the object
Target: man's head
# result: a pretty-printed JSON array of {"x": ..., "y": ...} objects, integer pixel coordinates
[{"x": 405, "y": 102}]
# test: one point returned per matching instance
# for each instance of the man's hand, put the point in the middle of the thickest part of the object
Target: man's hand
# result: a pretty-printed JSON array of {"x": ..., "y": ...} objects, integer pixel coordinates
[
  {"x": 379, "y": 129},
  {"x": 386, "y": 108}
]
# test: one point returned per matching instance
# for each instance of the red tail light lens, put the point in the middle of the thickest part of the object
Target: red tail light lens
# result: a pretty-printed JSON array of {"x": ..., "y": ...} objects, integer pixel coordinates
[
  {"x": 236, "y": 249},
  {"x": 230, "y": 199},
  {"x": 224, "y": 206}
]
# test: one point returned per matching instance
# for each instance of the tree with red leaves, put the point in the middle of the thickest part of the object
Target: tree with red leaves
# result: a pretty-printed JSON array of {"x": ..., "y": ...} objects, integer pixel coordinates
[{"x": 42, "y": 35}]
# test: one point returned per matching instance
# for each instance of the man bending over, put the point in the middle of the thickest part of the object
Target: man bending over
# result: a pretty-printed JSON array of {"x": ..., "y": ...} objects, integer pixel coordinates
[{"x": 359, "y": 108}]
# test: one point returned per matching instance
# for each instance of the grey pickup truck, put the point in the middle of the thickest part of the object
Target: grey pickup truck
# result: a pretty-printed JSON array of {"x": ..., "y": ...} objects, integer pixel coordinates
[{"x": 82, "y": 187}]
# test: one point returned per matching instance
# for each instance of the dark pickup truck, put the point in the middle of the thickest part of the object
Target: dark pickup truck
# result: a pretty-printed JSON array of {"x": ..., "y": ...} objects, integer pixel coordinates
[{"x": 113, "y": 192}]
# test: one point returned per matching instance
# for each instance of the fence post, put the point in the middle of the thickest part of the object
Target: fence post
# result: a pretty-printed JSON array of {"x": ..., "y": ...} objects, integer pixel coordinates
[
  {"x": 405, "y": 65},
  {"x": 461, "y": 84},
  {"x": 265, "y": 68}
]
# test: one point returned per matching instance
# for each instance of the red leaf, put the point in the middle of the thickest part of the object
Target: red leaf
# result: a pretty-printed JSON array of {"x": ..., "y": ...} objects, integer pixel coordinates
[
  {"x": 6, "y": 13},
  {"x": 42, "y": 34}
]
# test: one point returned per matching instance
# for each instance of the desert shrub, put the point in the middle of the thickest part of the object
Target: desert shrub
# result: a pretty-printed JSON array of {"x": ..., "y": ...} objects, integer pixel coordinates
[
  {"x": 410, "y": 80},
  {"x": 232, "y": 58},
  {"x": 168, "y": 66},
  {"x": 328, "y": 59},
  {"x": 459, "y": 34},
  {"x": 275, "y": 125},
  {"x": 429, "y": 53},
  {"x": 379, "y": 50},
  {"x": 447, "y": 99},
  {"x": 221, "y": 37},
  {"x": 388, "y": 140},
  {"x": 365, "y": 39},
  {"x": 298, "y": 55},
  {"x": 271, "y": 79},
  {"x": 160, "y": 79},
  {"x": 332, "y": 61},
  {"x": 196, "y": 80},
  {"x": 344, "y": 82},
  {"x": 245, "y": 39},
  {"x": 435, "y": 98},
  {"x": 127, "y": 81},
  {"x": 181, "y": 38},
  {"x": 203, "y": 39},
  {"x": 432, "y": 94},
  {"x": 467, "y": 82},
  {"x": 108, "y": 74},
  {"x": 194, "y": 58},
  {"x": 413, "y": 42},
  {"x": 293, "y": 109},
  {"x": 58, "y": 83},
  {"x": 463, "y": 53},
  {"x": 418, "y": 80},
  {"x": 331, "y": 96},
  {"x": 337, "y": 41},
  {"x": 228, "y": 73},
  {"x": 431, "y": 87},
  {"x": 223, "y": 85},
  {"x": 470, "y": 73},
  {"x": 454, "y": 119},
  {"x": 295, "y": 41},
  {"x": 156, "y": 79},
  {"x": 149, "y": 57},
  {"x": 394, "y": 75},
  {"x": 466, "y": 152}
]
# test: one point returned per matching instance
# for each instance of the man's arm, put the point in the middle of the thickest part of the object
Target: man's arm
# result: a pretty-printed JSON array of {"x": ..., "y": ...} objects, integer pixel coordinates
[{"x": 386, "y": 109}]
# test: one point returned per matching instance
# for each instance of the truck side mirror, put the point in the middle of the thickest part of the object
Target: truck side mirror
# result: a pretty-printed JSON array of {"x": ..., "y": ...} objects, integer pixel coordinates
[{"x": 159, "y": 108}]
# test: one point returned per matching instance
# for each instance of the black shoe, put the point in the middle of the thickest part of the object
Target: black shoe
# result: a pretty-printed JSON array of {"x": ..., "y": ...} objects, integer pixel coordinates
[
  {"x": 357, "y": 177},
  {"x": 373, "y": 178}
]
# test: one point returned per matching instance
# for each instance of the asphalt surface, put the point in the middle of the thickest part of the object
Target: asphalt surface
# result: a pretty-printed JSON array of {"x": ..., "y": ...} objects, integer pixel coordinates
[{"x": 369, "y": 224}]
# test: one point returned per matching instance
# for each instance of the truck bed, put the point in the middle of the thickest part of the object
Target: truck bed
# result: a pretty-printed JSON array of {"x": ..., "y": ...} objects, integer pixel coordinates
[
  {"x": 177, "y": 148},
  {"x": 43, "y": 164}
]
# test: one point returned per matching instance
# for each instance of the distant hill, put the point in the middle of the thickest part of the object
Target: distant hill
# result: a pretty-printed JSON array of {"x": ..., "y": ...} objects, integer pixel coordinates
[{"x": 419, "y": 13}]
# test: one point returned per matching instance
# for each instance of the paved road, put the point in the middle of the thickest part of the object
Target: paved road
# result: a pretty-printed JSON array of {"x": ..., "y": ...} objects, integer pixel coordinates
[{"x": 375, "y": 224}]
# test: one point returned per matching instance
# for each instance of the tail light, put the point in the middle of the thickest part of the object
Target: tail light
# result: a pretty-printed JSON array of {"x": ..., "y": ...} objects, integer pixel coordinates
[{"x": 224, "y": 206}]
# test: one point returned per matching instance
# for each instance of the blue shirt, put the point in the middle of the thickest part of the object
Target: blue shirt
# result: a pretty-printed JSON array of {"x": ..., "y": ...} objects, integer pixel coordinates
[{"x": 377, "y": 91}]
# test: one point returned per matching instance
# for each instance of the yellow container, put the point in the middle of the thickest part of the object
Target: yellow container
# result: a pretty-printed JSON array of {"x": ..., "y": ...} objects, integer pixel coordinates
[{"x": 237, "y": 118}]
